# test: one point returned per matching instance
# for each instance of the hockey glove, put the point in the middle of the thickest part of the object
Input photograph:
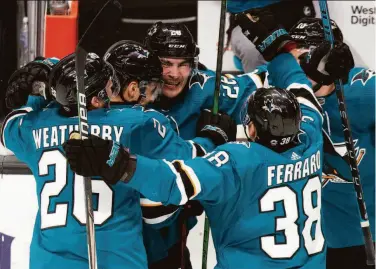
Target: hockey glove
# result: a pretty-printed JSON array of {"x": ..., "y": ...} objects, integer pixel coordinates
[
  {"x": 324, "y": 65},
  {"x": 32, "y": 79},
  {"x": 98, "y": 157},
  {"x": 220, "y": 128},
  {"x": 263, "y": 31}
]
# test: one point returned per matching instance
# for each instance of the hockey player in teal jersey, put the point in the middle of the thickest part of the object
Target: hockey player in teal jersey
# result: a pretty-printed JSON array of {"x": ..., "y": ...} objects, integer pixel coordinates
[
  {"x": 263, "y": 199},
  {"x": 340, "y": 210},
  {"x": 156, "y": 216},
  {"x": 36, "y": 138},
  {"x": 186, "y": 89}
]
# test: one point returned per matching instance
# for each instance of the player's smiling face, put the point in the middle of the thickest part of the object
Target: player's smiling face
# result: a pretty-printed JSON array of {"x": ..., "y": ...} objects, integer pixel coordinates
[{"x": 175, "y": 75}]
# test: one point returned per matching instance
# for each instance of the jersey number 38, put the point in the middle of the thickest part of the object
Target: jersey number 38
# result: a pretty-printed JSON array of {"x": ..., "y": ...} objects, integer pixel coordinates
[{"x": 288, "y": 224}]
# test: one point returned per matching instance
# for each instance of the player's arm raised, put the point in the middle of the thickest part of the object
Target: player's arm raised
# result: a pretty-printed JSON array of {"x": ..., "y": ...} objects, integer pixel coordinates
[
  {"x": 277, "y": 46},
  {"x": 26, "y": 92}
]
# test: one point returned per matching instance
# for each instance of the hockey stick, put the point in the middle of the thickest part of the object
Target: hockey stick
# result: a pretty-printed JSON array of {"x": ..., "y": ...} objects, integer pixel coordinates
[
  {"x": 107, "y": 15},
  {"x": 364, "y": 223},
  {"x": 218, "y": 73}
]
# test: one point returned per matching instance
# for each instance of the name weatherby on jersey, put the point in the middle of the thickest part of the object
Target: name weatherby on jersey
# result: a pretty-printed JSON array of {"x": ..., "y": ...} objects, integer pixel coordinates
[{"x": 56, "y": 135}]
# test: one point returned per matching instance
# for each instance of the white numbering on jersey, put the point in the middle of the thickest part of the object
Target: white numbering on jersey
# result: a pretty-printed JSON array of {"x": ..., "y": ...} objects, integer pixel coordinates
[
  {"x": 219, "y": 159},
  {"x": 161, "y": 129},
  {"x": 285, "y": 140},
  {"x": 54, "y": 188},
  {"x": 288, "y": 225},
  {"x": 231, "y": 88}
]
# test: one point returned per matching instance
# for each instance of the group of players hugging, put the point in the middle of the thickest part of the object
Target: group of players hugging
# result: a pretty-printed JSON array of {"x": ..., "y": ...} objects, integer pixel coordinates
[{"x": 158, "y": 158}]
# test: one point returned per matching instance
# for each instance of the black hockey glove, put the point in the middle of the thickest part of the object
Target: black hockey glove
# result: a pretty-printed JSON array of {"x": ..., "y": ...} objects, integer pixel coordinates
[
  {"x": 325, "y": 65},
  {"x": 220, "y": 128},
  {"x": 32, "y": 79},
  {"x": 260, "y": 27},
  {"x": 98, "y": 157}
]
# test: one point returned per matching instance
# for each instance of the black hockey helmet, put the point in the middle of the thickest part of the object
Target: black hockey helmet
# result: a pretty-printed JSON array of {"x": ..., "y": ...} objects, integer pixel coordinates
[
  {"x": 171, "y": 40},
  {"x": 309, "y": 32},
  {"x": 132, "y": 61},
  {"x": 276, "y": 115},
  {"x": 63, "y": 79}
]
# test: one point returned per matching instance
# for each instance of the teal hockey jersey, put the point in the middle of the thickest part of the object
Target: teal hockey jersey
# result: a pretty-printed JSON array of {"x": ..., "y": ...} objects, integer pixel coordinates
[
  {"x": 341, "y": 217},
  {"x": 35, "y": 135},
  {"x": 200, "y": 95},
  {"x": 264, "y": 207}
]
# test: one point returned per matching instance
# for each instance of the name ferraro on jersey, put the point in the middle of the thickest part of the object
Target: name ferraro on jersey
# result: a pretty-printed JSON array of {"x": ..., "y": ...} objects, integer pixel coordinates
[
  {"x": 283, "y": 173},
  {"x": 56, "y": 135}
]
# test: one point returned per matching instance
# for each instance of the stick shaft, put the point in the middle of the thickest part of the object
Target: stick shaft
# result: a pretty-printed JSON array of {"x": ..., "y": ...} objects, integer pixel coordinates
[
  {"x": 364, "y": 223},
  {"x": 218, "y": 70}
]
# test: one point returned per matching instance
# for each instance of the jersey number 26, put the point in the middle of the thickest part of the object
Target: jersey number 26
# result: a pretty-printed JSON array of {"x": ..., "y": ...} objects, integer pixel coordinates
[{"x": 53, "y": 188}]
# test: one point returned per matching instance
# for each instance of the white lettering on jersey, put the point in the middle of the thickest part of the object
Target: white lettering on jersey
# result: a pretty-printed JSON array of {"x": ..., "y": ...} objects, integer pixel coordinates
[
  {"x": 54, "y": 136},
  {"x": 290, "y": 172}
]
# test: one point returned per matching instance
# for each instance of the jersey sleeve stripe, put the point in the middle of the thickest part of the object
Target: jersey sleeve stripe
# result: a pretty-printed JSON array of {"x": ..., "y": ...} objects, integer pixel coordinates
[
  {"x": 194, "y": 149},
  {"x": 197, "y": 150},
  {"x": 305, "y": 96},
  {"x": 305, "y": 102},
  {"x": 158, "y": 219},
  {"x": 193, "y": 178},
  {"x": 188, "y": 186},
  {"x": 256, "y": 79},
  {"x": 179, "y": 183},
  {"x": 12, "y": 115},
  {"x": 307, "y": 93},
  {"x": 191, "y": 183},
  {"x": 149, "y": 203},
  {"x": 158, "y": 211}
]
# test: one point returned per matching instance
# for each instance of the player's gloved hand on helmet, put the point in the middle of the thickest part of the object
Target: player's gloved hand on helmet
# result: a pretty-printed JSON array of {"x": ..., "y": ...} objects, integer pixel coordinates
[
  {"x": 220, "y": 128},
  {"x": 260, "y": 27},
  {"x": 32, "y": 79},
  {"x": 324, "y": 65},
  {"x": 98, "y": 157}
]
